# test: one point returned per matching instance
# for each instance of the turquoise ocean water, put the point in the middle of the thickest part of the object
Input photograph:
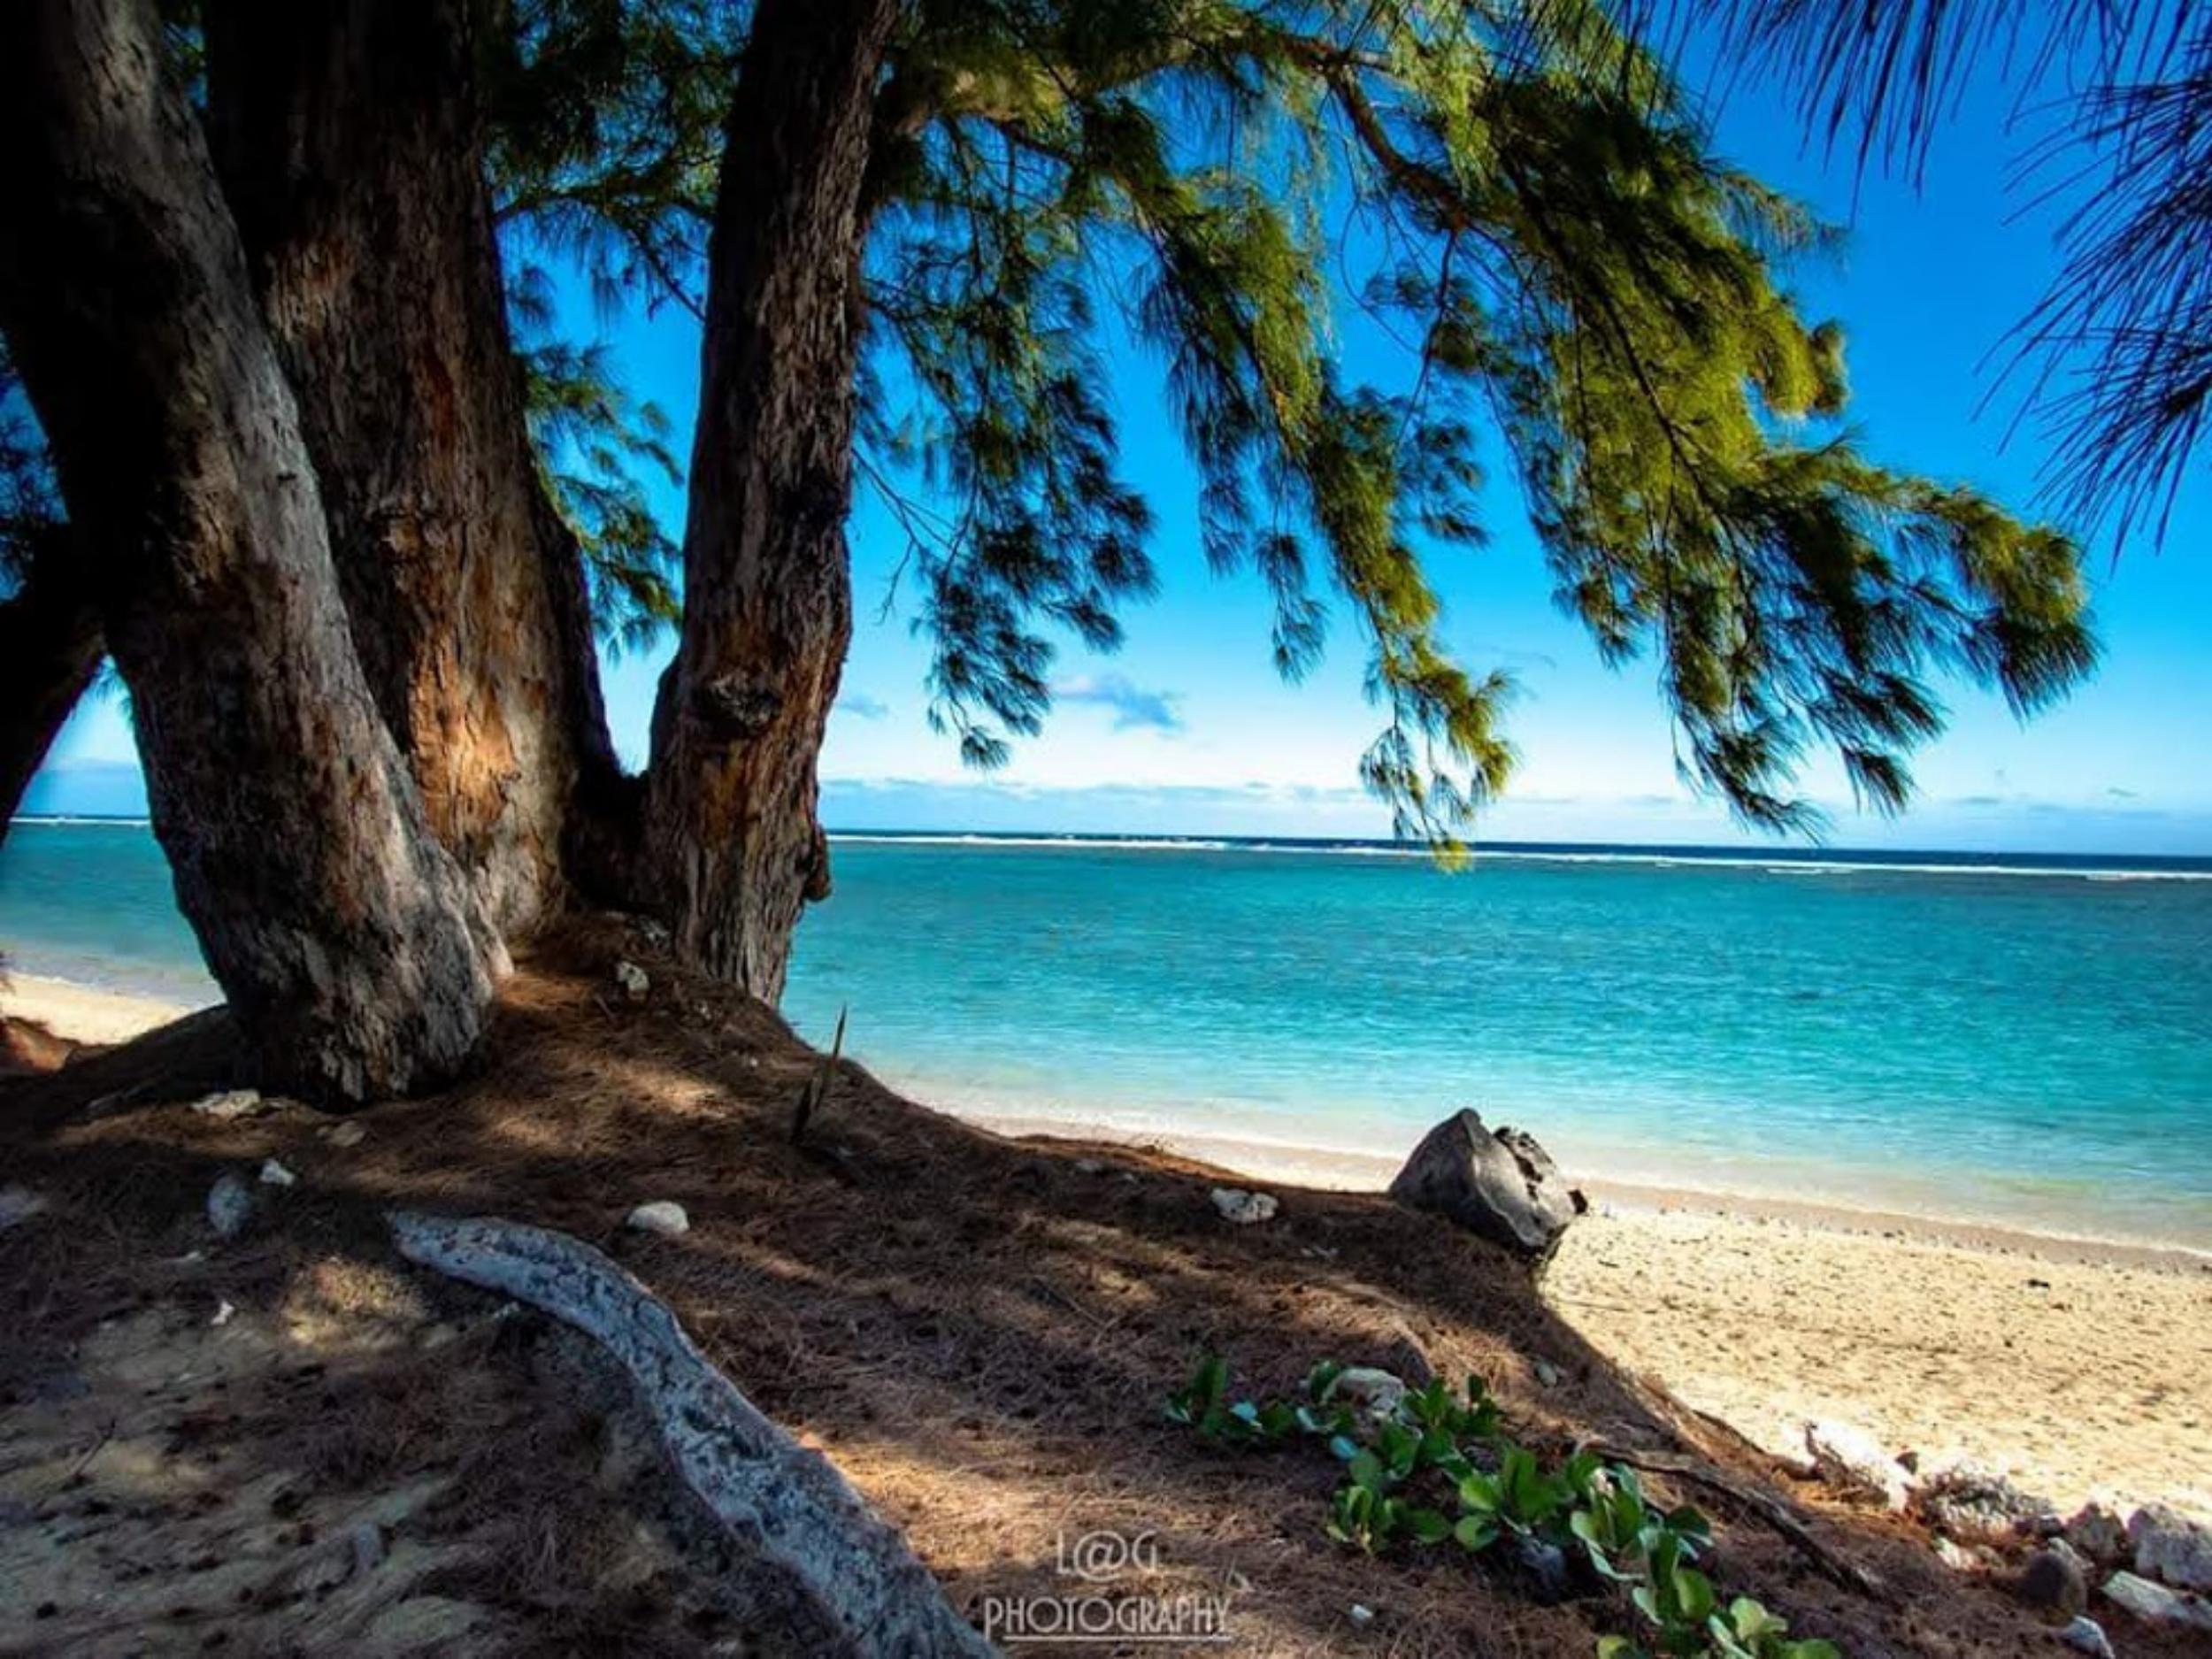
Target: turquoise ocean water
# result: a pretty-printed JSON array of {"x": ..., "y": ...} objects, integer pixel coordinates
[{"x": 2003, "y": 1038}]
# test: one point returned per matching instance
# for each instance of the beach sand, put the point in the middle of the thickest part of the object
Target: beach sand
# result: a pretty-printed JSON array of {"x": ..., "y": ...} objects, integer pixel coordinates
[
  {"x": 81, "y": 1013},
  {"x": 2085, "y": 1369},
  {"x": 2084, "y": 1378}
]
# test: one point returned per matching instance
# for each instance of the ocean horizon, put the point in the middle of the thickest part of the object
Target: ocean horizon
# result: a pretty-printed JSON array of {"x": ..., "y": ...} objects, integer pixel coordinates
[{"x": 2010, "y": 1039}]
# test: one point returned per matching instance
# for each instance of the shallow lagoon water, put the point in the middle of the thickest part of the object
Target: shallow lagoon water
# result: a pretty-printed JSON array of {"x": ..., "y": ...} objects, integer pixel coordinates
[{"x": 2020, "y": 1041}]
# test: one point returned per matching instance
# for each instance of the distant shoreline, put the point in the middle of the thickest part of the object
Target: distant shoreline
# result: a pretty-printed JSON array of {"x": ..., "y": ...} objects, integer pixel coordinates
[
  {"x": 1901, "y": 861},
  {"x": 84, "y": 1013}
]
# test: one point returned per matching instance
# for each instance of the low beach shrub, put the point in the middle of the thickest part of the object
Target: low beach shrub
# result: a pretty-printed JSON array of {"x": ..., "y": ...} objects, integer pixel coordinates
[{"x": 1411, "y": 1460}]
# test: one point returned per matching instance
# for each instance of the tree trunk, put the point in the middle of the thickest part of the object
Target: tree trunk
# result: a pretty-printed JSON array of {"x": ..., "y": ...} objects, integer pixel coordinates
[
  {"x": 348, "y": 141},
  {"x": 344, "y": 934},
  {"x": 732, "y": 840},
  {"x": 50, "y": 649}
]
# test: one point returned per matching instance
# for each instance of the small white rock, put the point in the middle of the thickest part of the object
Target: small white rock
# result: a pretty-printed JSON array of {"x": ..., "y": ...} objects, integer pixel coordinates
[
  {"x": 2086, "y": 1635},
  {"x": 1373, "y": 1390},
  {"x": 1244, "y": 1208},
  {"x": 365, "y": 1542},
  {"x": 1360, "y": 1615},
  {"x": 2154, "y": 1603},
  {"x": 664, "y": 1216},
  {"x": 18, "y": 1204},
  {"x": 222, "y": 1313},
  {"x": 2172, "y": 1547},
  {"x": 274, "y": 1174},
  {"x": 1546, "y": 1373},
  {"x": 348, "y": 1133},
  {"x": 2098, "y": 1534},
  {"x": 1970, "y": 1499},
  {"x": 1955, "y": 1557},
  {"x": 632, "y": 978},
  {"x": 230, "y": 1103},
  {"x": 1853, "y": 1458},
  {"x": 230, "y": 1205}
]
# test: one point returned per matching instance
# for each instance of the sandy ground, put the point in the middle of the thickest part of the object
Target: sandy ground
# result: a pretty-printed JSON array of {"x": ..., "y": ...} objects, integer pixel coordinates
[
  {"x": 2085, "y": 1378},
  {"x": 2084, "y": 1369},
  {"x": 81, "y": 1013}
]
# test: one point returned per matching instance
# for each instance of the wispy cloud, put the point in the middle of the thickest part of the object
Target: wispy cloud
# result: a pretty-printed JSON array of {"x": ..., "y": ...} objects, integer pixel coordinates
[
  {"x": 863, "y": 707},
  {"x": 1135, "y": 708}
]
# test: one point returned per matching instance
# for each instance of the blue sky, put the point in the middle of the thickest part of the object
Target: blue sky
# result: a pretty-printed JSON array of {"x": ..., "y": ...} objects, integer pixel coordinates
[{"x": 1186, "y": 730}]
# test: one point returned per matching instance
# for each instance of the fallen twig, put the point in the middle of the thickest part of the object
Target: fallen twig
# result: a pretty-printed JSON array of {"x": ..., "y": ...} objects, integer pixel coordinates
[{"x": 107, "y": 1433}]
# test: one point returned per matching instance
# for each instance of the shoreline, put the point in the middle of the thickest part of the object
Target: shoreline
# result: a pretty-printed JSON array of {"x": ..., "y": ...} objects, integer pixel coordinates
[
  {"x": 1341, "y": 1171},
  {"x": 2083, "y": 1367},
  {"x": 79, "y": 1013},
  {"x": 82, "y": 1013}
]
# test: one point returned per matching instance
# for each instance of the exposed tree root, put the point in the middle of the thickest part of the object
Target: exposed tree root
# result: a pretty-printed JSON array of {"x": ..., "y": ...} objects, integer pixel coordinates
[
  {"x": 786, "y": 1502},
  {"x": 191, "y": 1056}
]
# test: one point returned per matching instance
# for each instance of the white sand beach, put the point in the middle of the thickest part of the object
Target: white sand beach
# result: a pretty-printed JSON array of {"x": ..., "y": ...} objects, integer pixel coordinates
[{"x": 82, "y": 1013}]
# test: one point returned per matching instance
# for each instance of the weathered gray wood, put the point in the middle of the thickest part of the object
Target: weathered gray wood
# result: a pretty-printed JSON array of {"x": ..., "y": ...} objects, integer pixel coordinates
[{"x": 789, "y": 1503}]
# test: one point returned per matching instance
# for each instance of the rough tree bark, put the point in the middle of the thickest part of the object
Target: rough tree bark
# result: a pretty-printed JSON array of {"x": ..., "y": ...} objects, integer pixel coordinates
[
  {"x": 734, "y": 848},
  {"x": 50, "y": 649},
  {"x": 349, "y": 139},
  {"x": 348, "y": 942}
]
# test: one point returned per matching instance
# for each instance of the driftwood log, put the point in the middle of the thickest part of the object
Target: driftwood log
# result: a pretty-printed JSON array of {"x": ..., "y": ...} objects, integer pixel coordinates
[{"x": 784, "y": 1504}]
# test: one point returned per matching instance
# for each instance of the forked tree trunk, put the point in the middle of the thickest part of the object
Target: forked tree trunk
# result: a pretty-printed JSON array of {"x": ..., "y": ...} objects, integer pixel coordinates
[
  {"x": 347, "y": 138},
  {"x": 342, "y": 932},
  {"x": 50, "y": 649},
  {"x": 732, "y": 844}
]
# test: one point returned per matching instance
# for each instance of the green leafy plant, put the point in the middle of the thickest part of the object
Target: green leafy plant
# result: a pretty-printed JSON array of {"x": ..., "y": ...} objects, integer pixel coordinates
[
  {"x": 1321, "y": 1412},
  {"x": 1744, "y": 1631},
  {"x": 1444, "y": 1420},
  {"x": 1750, "y": 1631},
  {"x": 1673, "y": 1595},
  {"x": 1403, "y": 1465},
  {"x": 1203, "y": 1404},
  {"x": 1618, "y": 1528},
  {"x": 1609, "y": 1525},
  {"x": 1366, "y": 1511},
  {"x": 1520, "y": 1497}
]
